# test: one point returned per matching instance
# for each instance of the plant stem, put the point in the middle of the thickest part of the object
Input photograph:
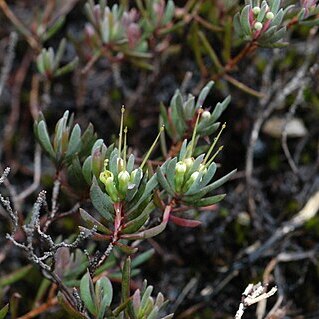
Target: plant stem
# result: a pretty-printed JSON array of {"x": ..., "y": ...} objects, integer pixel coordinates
[{"x": 20, "y": 26}]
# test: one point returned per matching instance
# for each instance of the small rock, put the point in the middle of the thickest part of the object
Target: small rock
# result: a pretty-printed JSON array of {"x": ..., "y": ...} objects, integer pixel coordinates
[{"x": 275, "y": 126}]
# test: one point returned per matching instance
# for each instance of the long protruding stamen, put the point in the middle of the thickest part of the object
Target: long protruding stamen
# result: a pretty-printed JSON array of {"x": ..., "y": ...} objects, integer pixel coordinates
[
  {"x": 190, "y": 151},
  {"x": 213, "y": 157},
  {"x": 152, "y": 147},
  {"x": 121, "y": 130},
  {"x": 214, "y": 144},
  {"x": 125, "y": 147}
]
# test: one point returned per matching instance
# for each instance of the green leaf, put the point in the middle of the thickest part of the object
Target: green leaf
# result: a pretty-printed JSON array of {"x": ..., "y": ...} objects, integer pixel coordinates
[
  {"x": 170, "y": 173},
  {"x": 163, "y": 181},
  {"x": 278, "y": 35},
  {"x": 274, "y": 6},
  {"x": 166, "y": 122},
  {"x": 209, "y": 200},
  {"x": 101, "y": 201},
  {"x": 169, "y": 12},
  {"x": 67, "y": 68},
  {"x": 154, "y": 313},
  {"x": 15, "y": 276},
  {"x": 48, "y": 59},
  {"x": 104, "y": 292},
  {"x": 75, "y": 174},
  {"x": 288, "y": 8},
  {"x": 135, "y": 224},
  {"x": 279, "y": 45},
  {"x": 310, "y": 23},
  {"x": 237, "y": 25},
  {"x": 149, "y": 233},
  {"x": 91, "y": 221},
  {"x": 126, "y": 279},
  {"x": 212, "y": 186},
  {"x": 129, "y": 250},
  {"x": 179, "y": 104},
  {"x": 113, "y": 162},
  {"x": 53, "y": 29},
  {"x": 87, "y": 293},
  {"x": 219, "y": 109},
  {"x": 209, "y": 174},
  {"x": 189, "y": 107},
  {"x": 4, "y": 311},
  {"x": 98, "y": 157},
  {"x": 44, "y": 138},
  {"x": 146, "y": 297},
  {"x": 40, "y": 63},
  {"x": 88, "y": 139},
  {"x": 269, "y": 33},
  {"x": 177, "y": 114},
  {"x": 151, "y": 184},
  {"x": 244, "y": 20},
  {"x": 203, "y": 94},
  {"x": 262, "y": 12},
  {"x": 130, "y": 163},
  {"x": 60, "y": 53},
  {"x": 121, "y": 308},
  {"x": 276, "y": 21},
  {"x": 195, "y": 187},
  {"x": 69, "y": 309},
  {"x": 182, "y": 151},
  {"x": 59, "y": 128},
  {"x": 208, "y": 129},
  {"x": 142, "y": 258},
  {"x": 86, "y": 170},
  {"x": 75, "y": 141},
  {"x": 141, "y": 55}
]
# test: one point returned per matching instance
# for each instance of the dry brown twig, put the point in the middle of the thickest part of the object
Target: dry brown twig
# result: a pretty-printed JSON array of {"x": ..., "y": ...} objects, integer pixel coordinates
[
  {"x": 306, "y": 213},
  {"x": 8, "y": 60},
  {"x": 276, "y": 95}
]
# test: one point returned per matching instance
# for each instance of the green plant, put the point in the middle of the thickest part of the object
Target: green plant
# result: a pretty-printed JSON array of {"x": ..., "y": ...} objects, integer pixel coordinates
[
  {"x": 48, "y": 62},
  {"x": 105, "y": 201},
  {"x": 120, "y": 33},
  {"x": 262, "y": 24},
  {"x": 125, "y": 195}
]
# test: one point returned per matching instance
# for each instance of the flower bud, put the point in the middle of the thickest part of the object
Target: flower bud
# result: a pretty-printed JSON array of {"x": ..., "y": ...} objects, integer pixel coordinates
[
  {"x": 191, "y": 180},
  {"x": 124, "y": 179},
  {"x": 107, "y": 178},
  {"x": 180, "y": 171},
  {"x": 256, "y": 10},
  {"x": 120, "y": 164},
  {"x": 270, "y": 15},
  {"x": 205, "y": 115},
  {"x": 258, "y": 26},
  {"x": 188, "y": 162},
  {"x": 181, "y": 167}
]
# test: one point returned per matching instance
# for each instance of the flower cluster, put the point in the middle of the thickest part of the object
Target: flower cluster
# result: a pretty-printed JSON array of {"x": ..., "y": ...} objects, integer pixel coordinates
[
  {"x": 262, "y": 23},
  {"x": 188, "y": 179}
]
